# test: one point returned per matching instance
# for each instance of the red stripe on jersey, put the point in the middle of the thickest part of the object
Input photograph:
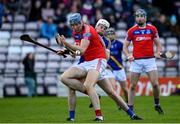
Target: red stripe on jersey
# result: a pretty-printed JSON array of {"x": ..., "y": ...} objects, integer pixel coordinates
[{"x": 99, "y": 65}]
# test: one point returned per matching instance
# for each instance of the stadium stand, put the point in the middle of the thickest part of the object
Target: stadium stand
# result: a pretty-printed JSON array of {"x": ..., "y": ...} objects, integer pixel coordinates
[{"x": 49, "y": 65}]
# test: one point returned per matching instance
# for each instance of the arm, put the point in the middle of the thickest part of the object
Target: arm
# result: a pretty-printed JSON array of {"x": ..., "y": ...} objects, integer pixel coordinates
[
  {"x": 82, "y": 48},
  {"x": 126, "y": 51},
  {"x": 158, "y": 47}
]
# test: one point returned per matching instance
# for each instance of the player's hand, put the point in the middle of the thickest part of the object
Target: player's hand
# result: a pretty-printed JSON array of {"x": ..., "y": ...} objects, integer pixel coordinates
[
  {"x": 60, "y": 39},
  {"x": 61, "y": 53},
  {"x": 158, "y": 55},
  {"x": 130, "y": 57}
]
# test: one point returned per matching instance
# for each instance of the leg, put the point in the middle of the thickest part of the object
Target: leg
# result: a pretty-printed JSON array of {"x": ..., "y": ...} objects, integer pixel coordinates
[
  {"x": 89, "y": 83},
  {"x": 72, "y": 104},
  {"x": 113, "y": 83},
  {"x": 153, "y": 77},
  {"x": 125, "y": 90},
  {"x": 134, "y": 77},
  {"x": 107, "y": 87},
  {"x": 70, "y": 79}
]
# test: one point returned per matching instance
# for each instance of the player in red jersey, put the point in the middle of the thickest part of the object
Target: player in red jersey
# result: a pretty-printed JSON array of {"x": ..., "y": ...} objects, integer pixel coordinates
[
  {"x": 143, "y": 36},
  {"x": 103, "y": 80},
  {"x": 88, "y": 45}
]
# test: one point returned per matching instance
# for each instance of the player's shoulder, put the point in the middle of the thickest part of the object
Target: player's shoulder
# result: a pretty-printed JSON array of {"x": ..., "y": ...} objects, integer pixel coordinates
[
  {"x": 149, "y": 25},
  {"x": 133, "y": 28}
]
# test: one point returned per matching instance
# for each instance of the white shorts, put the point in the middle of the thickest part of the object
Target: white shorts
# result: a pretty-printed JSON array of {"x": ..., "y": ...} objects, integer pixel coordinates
[
  {"x": 107, "y": 73},
  {"x": 97, "y": 64},
  {"x": 120, "y": 75},
  {"x": 143, "y": 65}
]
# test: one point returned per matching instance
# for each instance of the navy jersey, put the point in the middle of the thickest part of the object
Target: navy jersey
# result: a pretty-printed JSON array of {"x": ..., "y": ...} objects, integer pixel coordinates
[
  {"x": 115, "y": 61},
  {"x": 106, "y": 42}
]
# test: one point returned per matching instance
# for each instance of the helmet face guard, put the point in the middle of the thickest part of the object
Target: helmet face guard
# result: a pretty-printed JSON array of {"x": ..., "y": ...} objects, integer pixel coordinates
[
  {"x": 110, "y": 31},
  {"x": 140, "y": 17}
]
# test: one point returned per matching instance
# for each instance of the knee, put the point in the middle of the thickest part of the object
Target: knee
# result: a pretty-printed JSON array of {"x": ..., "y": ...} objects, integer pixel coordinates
[
  {"x": 88, "y": 87},
  {"x": 62, "y": 78}
]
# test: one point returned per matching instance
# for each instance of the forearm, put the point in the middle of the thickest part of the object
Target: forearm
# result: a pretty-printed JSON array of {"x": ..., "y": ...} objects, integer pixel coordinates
[
  {"x": 158, "y": 45},
  {"x": 125, "y": 50},
  {"x": 74, "y": 47}
]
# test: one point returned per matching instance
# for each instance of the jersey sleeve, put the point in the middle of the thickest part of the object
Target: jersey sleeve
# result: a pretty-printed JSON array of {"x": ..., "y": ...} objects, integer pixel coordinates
[
  {"x": 128, "y": 36},
  {"x": 155, "y": 33},
  {"x": 87, "y": 33}
]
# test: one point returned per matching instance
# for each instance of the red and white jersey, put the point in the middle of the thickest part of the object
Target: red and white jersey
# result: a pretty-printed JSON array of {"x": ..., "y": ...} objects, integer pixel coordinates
[
  {"x": 95, "y": 49},
  {"x": 143, "y": 40}
]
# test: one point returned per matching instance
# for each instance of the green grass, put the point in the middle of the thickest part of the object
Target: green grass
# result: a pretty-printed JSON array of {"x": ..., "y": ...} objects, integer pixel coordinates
[{"x": 54, "y": 110}]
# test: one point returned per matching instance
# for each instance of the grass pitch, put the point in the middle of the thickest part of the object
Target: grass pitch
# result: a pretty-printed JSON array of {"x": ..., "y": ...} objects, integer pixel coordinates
[{"x": 54, "y": 110}]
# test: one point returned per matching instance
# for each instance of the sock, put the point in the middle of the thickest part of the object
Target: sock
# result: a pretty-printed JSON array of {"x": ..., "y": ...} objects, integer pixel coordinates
[
  {"x": 72, "y": 114},
  {"x": 98, "y": 113},
  {"x": 130, "y": 112},
  {"x": 131, "y": 107},
  {"x": 156, "y": 101}
]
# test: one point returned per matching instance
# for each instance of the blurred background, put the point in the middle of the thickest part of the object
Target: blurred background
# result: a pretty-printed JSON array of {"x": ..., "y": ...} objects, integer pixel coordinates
[{"x": 42, "y": 19}]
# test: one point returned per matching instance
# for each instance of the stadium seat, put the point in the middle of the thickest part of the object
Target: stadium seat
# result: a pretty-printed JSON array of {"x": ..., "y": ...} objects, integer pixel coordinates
[
  {"x": 6, "y": 27},
  {"x": 40, "y": 80},
  {"x": 40, "y": 90},
  {"x": 19, "y": 18},
  {"x": 121, "y": 33},
  {"x": 33, "y": 34},
  {"x": 12, "y": 65},
  {"x": 9, "y": 81},
  {"x": 18, "y": 27},
  {"x": 162, "y": 40},
  {"x": 16, "y": 42},
  {"x": 39, "y": 49},
  {"x": 2, "y": 57},
  {"x": 50, "y": 80},
  {"x": 53, "y": 65},
  {"x": 53, "y": 57},
  {"x": 10, "y": 90},
  {"x": 122, "y": 25},
  {"x": 2, "y": 65},
  {"x": 171, "y": 40},
  {"x": 16, "y": 34},
  {"x": 14, "y": 50},
  {"x": 53, "y": 42},
  {"x": 52, "y": 90},
  {"x": 171, "y": 47},
  {"x": 5, "y": 35},
  {"x": 23, "y": 90},
  {"x": 160, "y": 63},
  {"x": 20, "y": 81},
  {"x": 43, "y": 41},
  {"x": 27, "y": 49},
  {"x": 40, "y": 57},
  {"x": 4, "y": 42},
  {"x": 40, "y": 66},
  {"x": 14, "y": 57},
  {"x": 3, "y": 50},
  {"x": 65, "y": 65},
  {"x": 31, "y": 26}
]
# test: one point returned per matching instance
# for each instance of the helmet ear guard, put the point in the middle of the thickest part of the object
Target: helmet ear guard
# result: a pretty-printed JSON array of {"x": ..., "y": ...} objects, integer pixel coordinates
[{"x": 103, "y": 22}]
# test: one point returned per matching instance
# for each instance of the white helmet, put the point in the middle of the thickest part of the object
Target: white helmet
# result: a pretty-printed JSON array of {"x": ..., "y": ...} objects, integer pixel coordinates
[{"x": 103, "y": 22}]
